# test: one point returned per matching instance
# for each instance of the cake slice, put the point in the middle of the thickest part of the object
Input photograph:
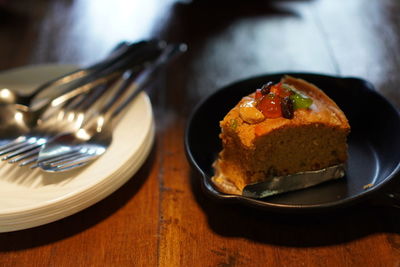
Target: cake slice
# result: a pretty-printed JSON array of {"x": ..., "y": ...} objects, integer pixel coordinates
[{"x": 281, "y": 129}]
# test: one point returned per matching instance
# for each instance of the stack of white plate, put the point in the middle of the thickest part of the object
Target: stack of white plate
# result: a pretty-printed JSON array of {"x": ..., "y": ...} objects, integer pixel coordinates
[{"x": 30, "y": 198}]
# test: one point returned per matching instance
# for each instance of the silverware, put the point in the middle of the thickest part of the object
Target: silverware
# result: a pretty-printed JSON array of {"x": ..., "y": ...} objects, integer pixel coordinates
[
  {"x": 8, "y": 96},
  {"x": 283, "y": 184},
  {"x": 26, "y": 147},
  {"x": 19, "y": 114},
  {"x": 72, "y": 150}
]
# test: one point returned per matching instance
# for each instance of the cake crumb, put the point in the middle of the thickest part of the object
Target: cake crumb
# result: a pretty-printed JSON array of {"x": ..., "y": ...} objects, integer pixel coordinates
[{"x": 368, "y": 186}]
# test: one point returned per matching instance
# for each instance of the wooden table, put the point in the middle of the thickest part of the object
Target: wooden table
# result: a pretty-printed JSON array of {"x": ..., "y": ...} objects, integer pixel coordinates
[{"x": 161, "y": 217}]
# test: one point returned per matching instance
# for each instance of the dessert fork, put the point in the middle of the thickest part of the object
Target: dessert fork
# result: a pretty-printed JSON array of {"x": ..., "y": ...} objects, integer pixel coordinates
[
  {"x": 17, "y": 119},
  {"x": 72, "y": 150},
  {"x": 9, "y": 96},
  {"x": 27, "y": 144},
  {"x": 68, "y": 118}
]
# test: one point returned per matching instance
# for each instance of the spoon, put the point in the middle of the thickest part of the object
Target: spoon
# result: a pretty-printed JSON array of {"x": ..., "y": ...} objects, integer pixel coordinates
[
  {"x": 71, "y": 150},
  {"x": 8, "y": 96},
  {"x": 19, "y": 114}
]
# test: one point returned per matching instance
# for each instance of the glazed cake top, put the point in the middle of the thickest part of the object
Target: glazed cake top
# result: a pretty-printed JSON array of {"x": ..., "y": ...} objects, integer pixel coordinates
[{"x": 322, "y": 111}]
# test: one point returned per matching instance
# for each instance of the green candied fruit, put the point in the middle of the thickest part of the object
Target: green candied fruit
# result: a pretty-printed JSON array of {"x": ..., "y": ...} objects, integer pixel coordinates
[
  {"x": 233, "y": 124},
  {"x": 300, "y": 101}
]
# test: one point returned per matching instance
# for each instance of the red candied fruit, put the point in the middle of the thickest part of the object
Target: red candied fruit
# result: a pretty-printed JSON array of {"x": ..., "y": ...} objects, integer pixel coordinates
[
  {"x": 279, "y": 90},
  {"x": 270, "y": 106},
  {"x": 258, "y": 95}
]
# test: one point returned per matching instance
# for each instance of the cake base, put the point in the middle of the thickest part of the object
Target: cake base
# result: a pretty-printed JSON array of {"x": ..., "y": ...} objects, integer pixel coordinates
[{"x": 279, "y": 184}]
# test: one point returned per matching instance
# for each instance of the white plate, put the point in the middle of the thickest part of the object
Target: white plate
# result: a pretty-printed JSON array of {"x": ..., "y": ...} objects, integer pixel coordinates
[{"x": 31, "y": 198}]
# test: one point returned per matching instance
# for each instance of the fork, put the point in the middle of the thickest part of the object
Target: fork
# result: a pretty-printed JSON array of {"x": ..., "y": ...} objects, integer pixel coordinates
[
  {"x": 134, "y": 55},
  {"x": 71, "y": 150},
  {"x": 69, "y": 118},
  {"x": 23, "y": 146},
  {"x": 10, "y": 97}
]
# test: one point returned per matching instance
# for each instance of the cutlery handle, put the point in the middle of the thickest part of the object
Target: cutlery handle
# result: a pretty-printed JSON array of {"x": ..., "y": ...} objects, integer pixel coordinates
[
  {"x": 115, "y": 54},
  {"x": 84, "y": 102},
  {"x": 132, "y": 84},
  {"x": 127, "y": 77},
  {"x": 132, "y": 58},
  {"x": 140, "y": 82},
  {"x": 135, "y": 54}
]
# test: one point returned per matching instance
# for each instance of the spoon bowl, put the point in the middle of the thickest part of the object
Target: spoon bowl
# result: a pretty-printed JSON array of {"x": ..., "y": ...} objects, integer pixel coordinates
[
  {"x": 14, "y": 121},
  {"x": 8, "y": 96}
]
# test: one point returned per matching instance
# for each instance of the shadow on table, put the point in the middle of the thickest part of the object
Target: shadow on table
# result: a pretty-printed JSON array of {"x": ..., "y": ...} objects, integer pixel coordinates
[
  {"x": 199, "y": 23},
  {"x": 81, "y": 221},
  {"x": 297, "y": 230},
  {"x": 196, "y": 21}
]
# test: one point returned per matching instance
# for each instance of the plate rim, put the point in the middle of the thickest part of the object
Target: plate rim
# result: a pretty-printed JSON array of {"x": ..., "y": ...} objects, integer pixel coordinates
[{"x": 58, "y": 214}]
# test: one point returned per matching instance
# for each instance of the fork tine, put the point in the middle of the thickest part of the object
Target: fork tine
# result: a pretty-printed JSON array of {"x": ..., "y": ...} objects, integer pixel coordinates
[
  {"x": 60, "y": 157},
  {"x": 22, "y": 150},
  {"x": 70, "y": 167},
  {"x": 17, "y": 140},
  {"x": 25, "y": 155},
  {"x": 68, "y": 163},
  {"x": 47, "y": 160},
  {"x": 72, "y": 162},
  {"x": 14, "y": 147},
  {"x": 29, "y": 161},
  {"x": 67, "y": 168}
]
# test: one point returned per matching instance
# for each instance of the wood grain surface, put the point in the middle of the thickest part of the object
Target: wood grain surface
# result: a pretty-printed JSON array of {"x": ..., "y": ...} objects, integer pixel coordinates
[{"x": 161, "y": 217}]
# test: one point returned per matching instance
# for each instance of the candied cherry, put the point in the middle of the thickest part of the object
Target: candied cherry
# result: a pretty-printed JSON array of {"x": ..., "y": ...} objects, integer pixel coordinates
[
  {"x": 258, "y": 95},
  {"x": 270, "y": 106},
  {"x": 280, "y": 90}
]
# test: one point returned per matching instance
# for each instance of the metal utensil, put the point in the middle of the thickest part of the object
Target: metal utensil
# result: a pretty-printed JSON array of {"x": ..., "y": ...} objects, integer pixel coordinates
[
  {"x": 17, "y": 119},
  {"x": 10, "y": 96},
  {"x": 282, "y": 184},
  {"x": 17, "y": 139},
  {"x": 76, "y": 149},
  {"x": 69, "y": 118}
]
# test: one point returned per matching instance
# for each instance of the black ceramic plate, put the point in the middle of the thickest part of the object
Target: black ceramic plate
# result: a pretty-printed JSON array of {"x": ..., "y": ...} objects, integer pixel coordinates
[{"x": 374, "y": 142}]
